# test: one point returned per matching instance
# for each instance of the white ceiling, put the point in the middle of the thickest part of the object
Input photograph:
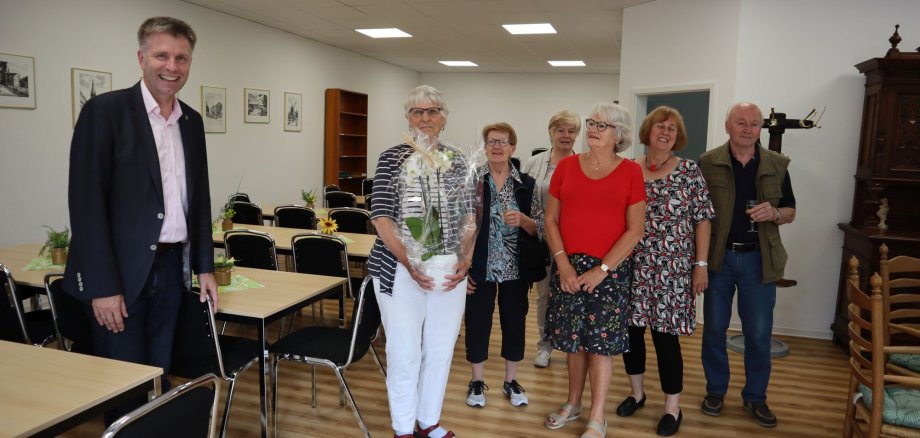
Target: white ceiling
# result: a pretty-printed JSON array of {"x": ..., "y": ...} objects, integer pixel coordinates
[{"x": 589, "y": 30}]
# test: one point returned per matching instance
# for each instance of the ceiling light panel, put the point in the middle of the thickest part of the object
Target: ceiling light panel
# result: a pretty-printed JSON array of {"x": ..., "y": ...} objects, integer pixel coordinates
[
  {"x": 529, "y": 29},
  {"x": 459, "y": 63},
  {"x": 566, "y": 63},
  {"x": 390, "y": 32}
]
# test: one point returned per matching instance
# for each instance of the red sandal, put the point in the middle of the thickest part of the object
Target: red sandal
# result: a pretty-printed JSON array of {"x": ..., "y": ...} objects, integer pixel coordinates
[{"x": 423, "y": 433}]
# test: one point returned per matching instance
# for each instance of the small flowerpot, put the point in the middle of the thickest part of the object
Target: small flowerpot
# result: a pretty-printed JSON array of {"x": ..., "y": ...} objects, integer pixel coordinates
[
  {"x": 222, "y": 276},
  {"x": 310, "y": 205},
  {"x": 439, "y": 267},
  {"x": 59, "y": 256},
  {"x": 226, "y": 225}
]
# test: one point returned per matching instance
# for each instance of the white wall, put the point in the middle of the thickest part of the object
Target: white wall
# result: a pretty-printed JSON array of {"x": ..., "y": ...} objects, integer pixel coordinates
[
  {"x": 526, "y": 101},
  {"x": 231, "y": 53},
  {"x": 793, "y": 56}
]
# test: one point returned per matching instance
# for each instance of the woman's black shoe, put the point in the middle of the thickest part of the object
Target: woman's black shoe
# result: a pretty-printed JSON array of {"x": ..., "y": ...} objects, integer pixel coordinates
[
  {"x": 630, "y": 406},
  {"x": 668, "y": 425}
]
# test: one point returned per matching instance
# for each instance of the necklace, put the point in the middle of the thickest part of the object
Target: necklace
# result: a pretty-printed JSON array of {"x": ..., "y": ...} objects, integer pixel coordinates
[
  {"x": 598, "y": 167},
  {"x": 653, "y": 167}
]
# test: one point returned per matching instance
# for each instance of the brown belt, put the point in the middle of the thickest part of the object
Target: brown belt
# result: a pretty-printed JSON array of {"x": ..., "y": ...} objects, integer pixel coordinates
[{"x": 167, "y": 246}]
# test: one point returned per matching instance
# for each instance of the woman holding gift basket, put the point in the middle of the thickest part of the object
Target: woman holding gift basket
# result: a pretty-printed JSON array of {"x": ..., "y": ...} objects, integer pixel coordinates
[{"x": 424, "y": 212}]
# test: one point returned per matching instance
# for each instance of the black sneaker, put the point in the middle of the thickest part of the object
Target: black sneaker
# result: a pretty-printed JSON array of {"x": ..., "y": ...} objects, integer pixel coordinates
[
  {"x": 761, "y": 413},
  {"x": 475, "y": 396},
  {"x": 515, "y": 393},
  {"x": 712, "y": 404}
]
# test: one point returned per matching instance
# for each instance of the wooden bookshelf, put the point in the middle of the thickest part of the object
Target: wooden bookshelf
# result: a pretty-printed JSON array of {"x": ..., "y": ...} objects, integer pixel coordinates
[{"x": 346, "y": 139}]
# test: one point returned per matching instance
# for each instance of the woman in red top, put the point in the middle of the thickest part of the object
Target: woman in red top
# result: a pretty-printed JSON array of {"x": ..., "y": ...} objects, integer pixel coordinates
[{"x": 595, "y": 215}]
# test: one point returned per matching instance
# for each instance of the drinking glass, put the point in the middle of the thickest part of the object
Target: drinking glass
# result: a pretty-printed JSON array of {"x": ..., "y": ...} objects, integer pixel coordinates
[{"x": 751, "y": 204}]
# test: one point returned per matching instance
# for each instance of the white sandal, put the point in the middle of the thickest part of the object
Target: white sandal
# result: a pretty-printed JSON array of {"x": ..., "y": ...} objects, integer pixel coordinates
[{"x": 556, "y": 419}]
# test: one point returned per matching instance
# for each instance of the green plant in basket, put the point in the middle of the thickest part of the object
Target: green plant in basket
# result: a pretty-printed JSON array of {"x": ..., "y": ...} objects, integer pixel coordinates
[
  {"x": 56, "y": 240},
  {"x": 227, "y": 212},
  {"x": 309, "y": 196},
  {"x": 222, "y": 262}
]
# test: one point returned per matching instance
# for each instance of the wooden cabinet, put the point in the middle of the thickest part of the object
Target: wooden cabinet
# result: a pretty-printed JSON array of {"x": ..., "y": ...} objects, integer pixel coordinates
[
  {"x": 345, "y": 161},
  {"x": 888, "y": 168}
]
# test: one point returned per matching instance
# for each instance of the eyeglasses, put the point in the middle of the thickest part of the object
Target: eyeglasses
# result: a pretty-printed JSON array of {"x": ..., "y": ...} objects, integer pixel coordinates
[
  {"x": 418, "y": 112},
  {"x": 499, "y": 141},
  {"x": 601, "y": 126}
]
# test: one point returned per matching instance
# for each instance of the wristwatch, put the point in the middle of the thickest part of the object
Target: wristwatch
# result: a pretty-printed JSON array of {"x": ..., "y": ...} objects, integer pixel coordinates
[
  {"x": 702, "y": 263},
  {"x": 605, "y": 268}
]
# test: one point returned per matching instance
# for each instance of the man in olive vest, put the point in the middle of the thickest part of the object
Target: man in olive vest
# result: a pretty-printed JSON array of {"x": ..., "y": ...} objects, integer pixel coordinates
[{"x": 752, "y": 196}]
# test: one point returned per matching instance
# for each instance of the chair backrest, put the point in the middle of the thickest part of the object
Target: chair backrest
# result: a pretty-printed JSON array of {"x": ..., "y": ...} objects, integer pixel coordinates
[
  {"x": 251, "y": 249},
  {"x": 293, "y": 216},
  {"x": 536, "y": 151},
  {"x": 12, "y": 322},
  {"x": 366, "y": 319},
  {"x": 367, "y": 186},
  {"x": 330, "y": 188},
  {"x": 867, "y": 355},
  {"x": 320, "y": 254},
  {"x": 247, "y": 213},
  {"x": 242, "y": 197},
  {"x": 352, "y": 220},
  {"x": 70, "y": 317},
  {"x": 516, "y": 162},
  {"x": 187, "y": 410},
  {"x": 196, "y": 347},
  {"x": 900, "y": 290},
  {"x": 337, "y": 199}
]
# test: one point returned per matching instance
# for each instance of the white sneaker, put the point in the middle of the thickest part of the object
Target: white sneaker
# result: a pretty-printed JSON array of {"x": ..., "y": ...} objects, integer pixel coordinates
[
  {"x": 515, "y": 393},
  {"x": 542, "y": 359},
  {"x": 475, "y": 396}
]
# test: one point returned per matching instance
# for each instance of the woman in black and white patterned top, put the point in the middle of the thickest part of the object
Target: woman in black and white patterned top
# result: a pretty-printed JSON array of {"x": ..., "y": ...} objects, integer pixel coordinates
[{"x": 421, "y": 314}]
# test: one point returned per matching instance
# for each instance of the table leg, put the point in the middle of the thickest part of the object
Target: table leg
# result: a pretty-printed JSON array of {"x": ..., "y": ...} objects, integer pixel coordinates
[{"x": 263, "y": 387}]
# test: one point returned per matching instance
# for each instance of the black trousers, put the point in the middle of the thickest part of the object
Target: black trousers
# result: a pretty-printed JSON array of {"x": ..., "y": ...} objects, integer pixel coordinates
[
  {"x": 512, "y": 313},
  {"x": 670, "y": 360}
]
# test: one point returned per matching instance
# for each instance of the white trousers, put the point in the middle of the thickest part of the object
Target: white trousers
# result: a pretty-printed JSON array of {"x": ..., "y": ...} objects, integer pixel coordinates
[{"x": 421, "y": 330}]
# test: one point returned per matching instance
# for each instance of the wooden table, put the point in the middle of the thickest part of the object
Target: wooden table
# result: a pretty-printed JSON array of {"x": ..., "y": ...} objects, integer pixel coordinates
[
  {"x": 17, "y": 257},
  {"x": 284, "y": 293},
  {"x": 47, "y": 391},
  {"x": 268, "y": 208},
  {"x": 359, "y": 247}
]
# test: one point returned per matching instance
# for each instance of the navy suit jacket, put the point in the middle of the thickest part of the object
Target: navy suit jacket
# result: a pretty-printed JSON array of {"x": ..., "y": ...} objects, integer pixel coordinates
[{"x": 115, "y": 197}]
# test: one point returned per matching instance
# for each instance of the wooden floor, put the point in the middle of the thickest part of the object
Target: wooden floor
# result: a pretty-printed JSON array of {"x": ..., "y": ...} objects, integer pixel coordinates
[{"x": 807, "y": 393}]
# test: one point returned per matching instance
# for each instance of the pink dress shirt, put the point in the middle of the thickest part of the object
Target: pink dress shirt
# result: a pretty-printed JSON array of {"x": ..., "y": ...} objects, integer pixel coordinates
[{"x": 168, "y": 139}]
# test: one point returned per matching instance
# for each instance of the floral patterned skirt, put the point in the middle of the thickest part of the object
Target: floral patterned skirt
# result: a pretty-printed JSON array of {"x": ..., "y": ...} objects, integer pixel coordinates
[{"x": 593, "y": 321}]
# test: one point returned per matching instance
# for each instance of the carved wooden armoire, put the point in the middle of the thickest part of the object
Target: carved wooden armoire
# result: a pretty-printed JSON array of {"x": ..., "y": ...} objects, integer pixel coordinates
[{"x": 887, "y": 172}]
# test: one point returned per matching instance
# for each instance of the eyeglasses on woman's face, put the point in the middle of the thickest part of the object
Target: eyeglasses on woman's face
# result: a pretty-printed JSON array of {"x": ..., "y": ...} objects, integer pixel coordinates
[
  {"x": 601, "y": 126},
  {"x": 498, "y": 141},
  {"x": 417, "y": 113}
]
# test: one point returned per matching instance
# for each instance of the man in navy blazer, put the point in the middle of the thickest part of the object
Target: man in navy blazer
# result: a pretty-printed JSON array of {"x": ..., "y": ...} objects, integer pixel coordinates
[{"x": 140, "y": 206}]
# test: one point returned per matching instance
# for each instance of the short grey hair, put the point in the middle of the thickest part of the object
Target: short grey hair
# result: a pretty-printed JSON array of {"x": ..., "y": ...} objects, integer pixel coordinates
[
  {"x": 613, "y": 114},
  {"x": 731, "y": 109},
  {"x": 425, "y": 93},
  {"x": 172, "y": 26}
]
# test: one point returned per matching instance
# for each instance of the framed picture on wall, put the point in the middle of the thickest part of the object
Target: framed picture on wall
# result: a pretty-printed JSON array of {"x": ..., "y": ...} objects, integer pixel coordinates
[
  {"x": 17, "y": 81},
  {"x": 257, "y": 104},
  {"x": 85, "y": 85},
  {"x": 214, "y": 109},
  {"x": 293, "y": 103}
]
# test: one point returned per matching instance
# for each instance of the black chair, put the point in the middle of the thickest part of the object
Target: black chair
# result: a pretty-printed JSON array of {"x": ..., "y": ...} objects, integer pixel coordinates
[
  {"x": 331, "y": 347},
  {"x": 293, "y": 216},
  {"x": 536, "y": 151},
  {"x": 331, "y": 188},
  {"x": 516, "y": 162},
  {"x": 367, "y": 186},
  {"x": 251, "y": 249},
  {"x": 70, "y": 318},
  {"x": 340, "y": 199},
  {"x": 352, "y": 220},
  {"x": 247, "y": 213},
  {"x": 198, "y": 349},
  {"x": 320, "y": 254},
  {"x": 238, "y": 197},
  {"x": 185, "y": 411},
  {"x": 35, "y": 327}
]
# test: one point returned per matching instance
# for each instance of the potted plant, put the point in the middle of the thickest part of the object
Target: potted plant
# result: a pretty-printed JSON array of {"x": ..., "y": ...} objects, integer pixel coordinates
[
  {"x": 57, "y": 243},
  {"x": 309, "y": 197},
  {"x": 222, "y": 268},
  {"x": 226, "y": 214}
]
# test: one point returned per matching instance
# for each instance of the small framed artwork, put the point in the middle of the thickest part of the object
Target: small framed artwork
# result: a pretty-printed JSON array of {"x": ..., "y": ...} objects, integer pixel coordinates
[
  {"x": 85, "y": 85},
  {"x": 214, "y": 109},
  {"x": 17, "y": 81},
  {"x": 257, "y": 106},
  {"x": 293, "y": 103}
]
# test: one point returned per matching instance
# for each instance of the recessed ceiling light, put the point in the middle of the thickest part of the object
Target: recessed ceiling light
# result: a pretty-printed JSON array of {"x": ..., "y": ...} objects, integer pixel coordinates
[
  {"x": 459, "y": 63},
  {"x": 529, "y": 29},
  {"x": 566, "y": 63},
  {"x": 390, "y": 32}
]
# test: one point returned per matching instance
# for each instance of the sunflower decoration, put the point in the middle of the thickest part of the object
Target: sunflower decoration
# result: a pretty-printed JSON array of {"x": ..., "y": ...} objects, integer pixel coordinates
[{"x": 328, "y": 226}]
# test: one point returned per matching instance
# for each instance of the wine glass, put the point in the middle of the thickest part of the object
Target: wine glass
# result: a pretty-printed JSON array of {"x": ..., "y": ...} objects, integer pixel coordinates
[{"x": 751, "y": 204}]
